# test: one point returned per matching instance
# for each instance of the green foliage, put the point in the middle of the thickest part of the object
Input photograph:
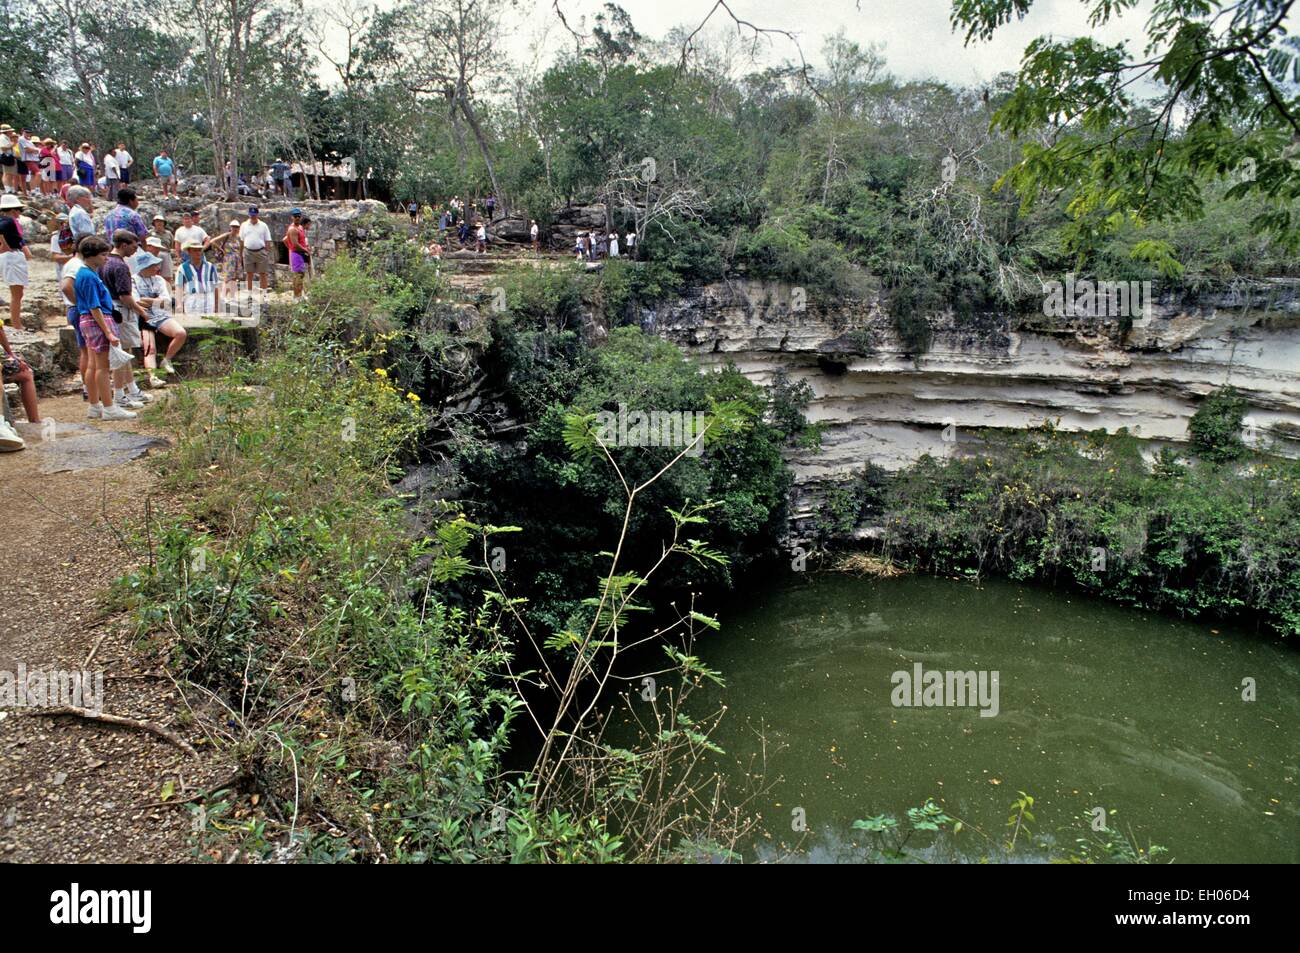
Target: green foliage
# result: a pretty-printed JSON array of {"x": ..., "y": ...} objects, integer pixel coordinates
[
  {"x": 1229, "y": 80},
  {"x": 1196, "y": 538},
  {"x": 1215, "y": 428},
  {"x": 562, "y": 387}
]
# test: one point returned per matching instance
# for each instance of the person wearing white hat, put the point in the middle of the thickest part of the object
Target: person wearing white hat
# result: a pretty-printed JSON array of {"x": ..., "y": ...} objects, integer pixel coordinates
[
  {"x": 152, "y": 292},
  {"x": 227, "y": 256},
  {"x": 159, "y": 247},
  {"x": 14, "y": 256},
  {"x": 162, "y": 237}
]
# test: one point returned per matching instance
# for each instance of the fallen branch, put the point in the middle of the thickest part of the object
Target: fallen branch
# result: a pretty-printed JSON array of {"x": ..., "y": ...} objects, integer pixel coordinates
[
  {"x": 119, "y": 720},
  {"x": 85, "y": 666}
]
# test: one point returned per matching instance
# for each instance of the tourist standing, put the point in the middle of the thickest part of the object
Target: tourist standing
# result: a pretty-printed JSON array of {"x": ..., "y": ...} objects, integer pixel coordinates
[
  {"x": 127, "y": 315},
  {"x": 165, "y": 169},
  {"x": 227, "y": 256},
  {"x": 255, "y": 236},
  {"x": 85, "y": 164},
  {"x": 124, "y": 162},
  {"x": 94, "y": 310},
  {"x": 49, "y": 163},
  {"x": 80, "y": 206},
  {"x": 29, "y": 161},
  {"x": 124, "y": 215},
  {"x": 112, "y": 175},
  {"x": 67, "y": 164},
  {"x": 14, "y": 256},
  {"x": 190, "y": 231},
  {"x": 8, "y": 158},
  {"x": 165, "y": 240},
  {"x": 295, "y": 238},
  {"x": 280, "y": 176}
]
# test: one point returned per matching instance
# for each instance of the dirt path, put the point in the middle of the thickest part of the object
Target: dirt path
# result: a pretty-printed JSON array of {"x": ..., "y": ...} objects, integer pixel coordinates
[{"x": 73, "y": 790}]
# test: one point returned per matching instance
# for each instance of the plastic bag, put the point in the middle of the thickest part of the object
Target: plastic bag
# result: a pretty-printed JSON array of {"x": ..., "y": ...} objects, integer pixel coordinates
[{"x": 118, "y": 357}]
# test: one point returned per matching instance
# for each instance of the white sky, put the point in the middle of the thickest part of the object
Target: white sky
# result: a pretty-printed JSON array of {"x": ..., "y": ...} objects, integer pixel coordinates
[{"x": 918, "y": 40}]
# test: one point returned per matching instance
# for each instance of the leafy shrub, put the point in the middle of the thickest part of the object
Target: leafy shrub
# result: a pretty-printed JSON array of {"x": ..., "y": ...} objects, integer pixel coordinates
[{"x": 1215, "y": 428}]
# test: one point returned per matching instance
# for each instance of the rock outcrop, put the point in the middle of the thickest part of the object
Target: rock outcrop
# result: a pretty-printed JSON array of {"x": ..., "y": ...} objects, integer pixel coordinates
[
  {"x": 882, "y": 405},
  {"x": 334, "y": 225}
]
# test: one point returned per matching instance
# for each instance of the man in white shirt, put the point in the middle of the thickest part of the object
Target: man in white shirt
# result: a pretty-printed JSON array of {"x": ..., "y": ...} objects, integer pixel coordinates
[
  {"x": 112, "y": 175},
  {"x": 190, "y": 231},
  {"x": 124, "y": 162},
  {"x": 255, "y": 236},
  {"x": 27, "y": 163}
]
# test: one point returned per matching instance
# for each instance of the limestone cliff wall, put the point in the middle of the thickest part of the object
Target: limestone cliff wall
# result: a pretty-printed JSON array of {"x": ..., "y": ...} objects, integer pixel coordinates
[{"x": 881, "y": 405}]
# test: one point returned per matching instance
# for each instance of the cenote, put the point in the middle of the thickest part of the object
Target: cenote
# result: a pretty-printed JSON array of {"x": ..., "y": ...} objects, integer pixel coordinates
[{"x": 1099, "y": 706}]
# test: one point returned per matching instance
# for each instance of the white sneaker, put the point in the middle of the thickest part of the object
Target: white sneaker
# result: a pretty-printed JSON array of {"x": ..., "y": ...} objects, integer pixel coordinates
[
  {"x": 129, "y": 401},
  {"x": 94, "y": 412},
  {"x": 166, "y": 365},
  {"x": 115, "y": 412},
  {"x": 9, "y": 439},
  {"x": 156, "y": 381},
  {"x": 141, "y": 396}
]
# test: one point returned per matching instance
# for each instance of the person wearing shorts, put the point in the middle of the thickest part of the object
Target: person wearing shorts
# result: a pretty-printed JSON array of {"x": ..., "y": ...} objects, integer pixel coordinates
[
  {"x": 116, "y": 275},
  {"x": 295, "y": 239},
  {"x": 8, "y": 161},
  {"x": 14, "y": 370},
  {"x": 66, "y": 162},
  {"x": 95, "y": 312},
  {"x": 153, "y": 295},
  {"x": 165, "y": 168},
  {"x": 255, "y": 236},
  {"x": 14, "y": 255}
]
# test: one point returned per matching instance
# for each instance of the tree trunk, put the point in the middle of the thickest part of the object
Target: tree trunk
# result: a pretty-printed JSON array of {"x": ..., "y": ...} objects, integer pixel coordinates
[{"x": 468, "y": 111}]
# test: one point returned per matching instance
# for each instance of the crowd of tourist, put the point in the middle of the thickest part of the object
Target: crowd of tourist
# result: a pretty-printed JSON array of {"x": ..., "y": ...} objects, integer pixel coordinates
[{"x": 124, "y": 283}]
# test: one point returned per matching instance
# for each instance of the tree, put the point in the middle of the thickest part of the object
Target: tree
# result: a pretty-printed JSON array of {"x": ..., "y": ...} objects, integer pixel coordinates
[
  {"x": 243, "y": 49},
  {"x": 455, "y": 45},
  {"x": 1224, "y": 76}
]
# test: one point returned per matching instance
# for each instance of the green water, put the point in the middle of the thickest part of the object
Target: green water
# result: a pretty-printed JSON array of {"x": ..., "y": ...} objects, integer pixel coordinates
[{"x": 1099, "y": 706}]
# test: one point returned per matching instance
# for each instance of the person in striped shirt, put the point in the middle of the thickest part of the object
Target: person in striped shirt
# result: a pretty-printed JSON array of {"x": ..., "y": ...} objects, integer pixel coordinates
[{"x": 198, "y": 286}]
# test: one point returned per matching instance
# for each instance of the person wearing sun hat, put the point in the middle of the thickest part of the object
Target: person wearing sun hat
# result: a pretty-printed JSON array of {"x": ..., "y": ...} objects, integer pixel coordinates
[
  {"x": 85, "y": 162},
  {"x": 49, "y": 166},
  {"x": 155, "y": 246},
  {"x": 14, "y": 256},
  {"x": 8, "y": 158},
  {"x": 152, "y": 293},
  {"x": 165, "y": 239},
  {"x": 198, "y": 286},
  {"x": 227, "y": 255}
]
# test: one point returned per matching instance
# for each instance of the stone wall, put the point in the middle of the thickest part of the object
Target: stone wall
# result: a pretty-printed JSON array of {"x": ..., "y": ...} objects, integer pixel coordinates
[{"x": 881, "y": 405}]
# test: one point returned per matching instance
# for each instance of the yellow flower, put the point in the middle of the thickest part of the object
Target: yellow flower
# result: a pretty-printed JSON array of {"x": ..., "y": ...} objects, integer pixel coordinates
[
  {"x": 413, "y": 398},
  {"x": 381, "y": 372}
]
